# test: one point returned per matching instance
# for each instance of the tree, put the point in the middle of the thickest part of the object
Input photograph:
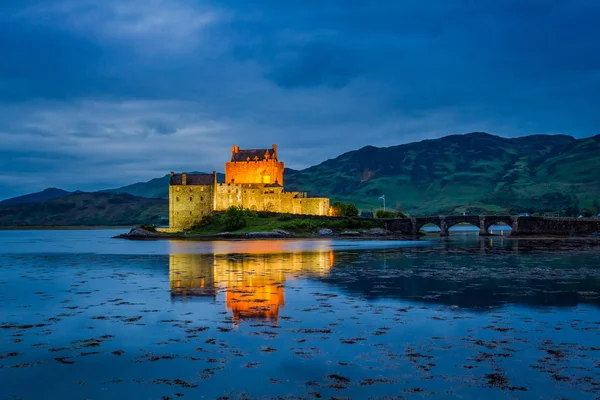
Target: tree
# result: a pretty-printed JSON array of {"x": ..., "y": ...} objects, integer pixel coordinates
[
  {"x": 234, "y": 218},
  {"x": 384, "y": 214},
  {"x": 399, "y": 212},
  {"x": 339, "y": 208},
  {"x": 351, "y": 210}
]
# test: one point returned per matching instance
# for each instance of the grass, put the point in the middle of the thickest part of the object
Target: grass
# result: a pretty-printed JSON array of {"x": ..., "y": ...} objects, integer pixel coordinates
[{"x": 292, "y": 224}]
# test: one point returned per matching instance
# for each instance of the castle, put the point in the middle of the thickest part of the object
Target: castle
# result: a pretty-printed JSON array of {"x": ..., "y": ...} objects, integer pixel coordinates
[{"x": 253, "y": 180}]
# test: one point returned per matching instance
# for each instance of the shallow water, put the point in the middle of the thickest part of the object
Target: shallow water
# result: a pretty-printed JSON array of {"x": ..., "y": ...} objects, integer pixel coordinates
[{"x": 85, "y": 316}]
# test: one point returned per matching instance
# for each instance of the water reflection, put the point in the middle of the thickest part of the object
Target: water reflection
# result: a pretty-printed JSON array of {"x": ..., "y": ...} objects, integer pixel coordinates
[
  {"x": 490, "y": 272},
  {"x": 254, "y": 283},
  {"x": 357, "y": 319}
]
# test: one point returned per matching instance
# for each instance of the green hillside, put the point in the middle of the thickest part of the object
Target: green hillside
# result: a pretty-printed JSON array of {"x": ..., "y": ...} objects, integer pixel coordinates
[
  {"x": 86, "y": 209},
  {"x": 157, "y": 188},
  {"x": 471, "y": 173}
]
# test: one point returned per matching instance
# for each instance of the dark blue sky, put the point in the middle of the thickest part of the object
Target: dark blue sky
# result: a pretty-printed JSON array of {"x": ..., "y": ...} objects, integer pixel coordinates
[{"x": 100, "y": 93}]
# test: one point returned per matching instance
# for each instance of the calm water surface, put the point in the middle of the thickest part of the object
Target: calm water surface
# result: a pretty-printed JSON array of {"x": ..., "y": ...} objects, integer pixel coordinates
[{"x": 84, "y": 316}]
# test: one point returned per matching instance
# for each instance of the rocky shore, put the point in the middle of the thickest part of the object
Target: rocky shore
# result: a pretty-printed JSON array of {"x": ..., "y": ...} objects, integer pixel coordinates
[{"x": 374, "y": 233}]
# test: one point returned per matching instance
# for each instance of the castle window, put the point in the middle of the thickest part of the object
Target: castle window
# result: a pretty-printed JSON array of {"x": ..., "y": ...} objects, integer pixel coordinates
[
  {"x": 202, "y": 189},
  {"x": 201, "y": 198},
  {"x": 190, "y": 213},
  {"x": 191, "y": 188},
  {"x": 191, "y": 198},
  {"x": 178, "y": 189},
  {"x": 177, "y": 198}
]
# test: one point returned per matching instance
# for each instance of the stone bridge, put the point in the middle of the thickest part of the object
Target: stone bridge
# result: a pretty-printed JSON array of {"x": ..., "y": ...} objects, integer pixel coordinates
[{"x": 523, "y": 226}]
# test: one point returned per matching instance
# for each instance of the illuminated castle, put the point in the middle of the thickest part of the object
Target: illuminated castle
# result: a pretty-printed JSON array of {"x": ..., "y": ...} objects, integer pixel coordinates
[{"x": 253, "y": 179}]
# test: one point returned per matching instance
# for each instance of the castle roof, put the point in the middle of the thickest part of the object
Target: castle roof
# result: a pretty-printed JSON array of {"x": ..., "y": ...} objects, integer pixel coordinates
[
  {"x": 193, "y": 179},
  {"x": 253, "y": 155}
]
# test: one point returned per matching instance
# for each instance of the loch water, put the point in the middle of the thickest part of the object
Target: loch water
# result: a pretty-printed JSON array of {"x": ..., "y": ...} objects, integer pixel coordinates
[{"x": 84, "y": 316}]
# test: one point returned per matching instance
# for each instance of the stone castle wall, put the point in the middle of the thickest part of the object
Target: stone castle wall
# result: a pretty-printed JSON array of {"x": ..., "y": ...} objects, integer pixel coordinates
[
  {"x": 312, "y": 206},
  {"x": 263, "y": 198},
  {"x": 265, "y": 171},
  {"x": 188, "y": 204}
]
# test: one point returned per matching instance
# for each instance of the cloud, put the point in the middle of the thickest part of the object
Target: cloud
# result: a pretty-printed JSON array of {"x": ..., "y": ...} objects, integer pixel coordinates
[
  {"x": 315, "y": 64},
  {"x": 147, "y": 25},
  {"x": 95, "y": 94}
]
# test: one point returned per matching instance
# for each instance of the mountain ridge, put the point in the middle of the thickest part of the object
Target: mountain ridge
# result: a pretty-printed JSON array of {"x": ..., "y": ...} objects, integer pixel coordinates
[
  {"x": 444, "y": 175},
  {"x": 474, "y": 173},
  {"x": 36, "y": 197},
  {"x": 86, "y": 209}
]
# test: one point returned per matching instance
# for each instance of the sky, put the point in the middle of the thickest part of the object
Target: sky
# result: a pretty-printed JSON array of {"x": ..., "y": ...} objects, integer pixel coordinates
[{"x": 97, "y": 94}]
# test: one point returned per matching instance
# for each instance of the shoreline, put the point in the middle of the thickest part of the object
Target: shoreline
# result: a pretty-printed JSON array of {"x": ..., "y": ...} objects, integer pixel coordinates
[
  {"x": 258, "y": 236},
  {"x": 63, "y": 227},
  {"x": 146, "y": 235}
]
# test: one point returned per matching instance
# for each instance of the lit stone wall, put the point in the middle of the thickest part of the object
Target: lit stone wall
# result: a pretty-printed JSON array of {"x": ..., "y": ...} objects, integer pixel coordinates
[
  {"x": 265, "y": 171},
  {"x": 312, "y": 206},
  {"x": 227, "y": 196},
  {"x": 188, "y": 204},
  {"x": 261, "y": 198}
]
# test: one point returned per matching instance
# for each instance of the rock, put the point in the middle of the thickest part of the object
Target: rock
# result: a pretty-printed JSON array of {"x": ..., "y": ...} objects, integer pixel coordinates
[
  {"x": 257, "y": 235},
  {"x": 377, "y": 231},
  {"x": 282, "y": 232},
  {"x": 350, "y": 233},
  {"x": 325, "y": 232},
  {"x": 139, "y": 233}
]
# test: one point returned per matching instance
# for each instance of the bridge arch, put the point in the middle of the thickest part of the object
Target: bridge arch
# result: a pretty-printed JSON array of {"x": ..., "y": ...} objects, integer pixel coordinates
[
  {"x": 420, "y": 222},
  {"x": 497, "y": 220},
  {"x": 431, "y": 224}
]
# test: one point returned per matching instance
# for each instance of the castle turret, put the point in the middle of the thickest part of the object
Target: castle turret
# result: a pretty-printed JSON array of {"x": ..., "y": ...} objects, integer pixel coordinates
[{"x": 184, "y": 178}]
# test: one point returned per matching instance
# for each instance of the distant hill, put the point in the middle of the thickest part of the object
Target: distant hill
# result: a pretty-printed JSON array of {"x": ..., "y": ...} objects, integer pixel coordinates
[
  {"x": 38, "y": 197},
  {"x": 86, "y": 209},
  {"x": 473, "y": 173},
  {"x": 157, "y": 188}
]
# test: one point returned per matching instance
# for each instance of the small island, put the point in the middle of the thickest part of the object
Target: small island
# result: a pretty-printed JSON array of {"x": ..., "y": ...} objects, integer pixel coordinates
[{"x": 239, "y": 223}]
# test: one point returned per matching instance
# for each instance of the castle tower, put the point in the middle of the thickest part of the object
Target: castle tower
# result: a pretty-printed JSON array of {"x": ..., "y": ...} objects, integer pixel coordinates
[{"x": 254, "y": 166}]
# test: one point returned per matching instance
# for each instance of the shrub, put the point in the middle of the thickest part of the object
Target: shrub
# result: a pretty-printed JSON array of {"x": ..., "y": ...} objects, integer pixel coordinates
[
  {"x": 205, "y": 221},
  {"x": 248, "y": 213},
  {"x": 285, "y": 217},
  {"x": 148, "y": 227},
  {"x": 351, "y": 210},
  {"x": 339, "y": 208},
  {"x": 234, "y": 218},
  {"x": 384, "y": 214},
  {"x": 399, "y": 212}
]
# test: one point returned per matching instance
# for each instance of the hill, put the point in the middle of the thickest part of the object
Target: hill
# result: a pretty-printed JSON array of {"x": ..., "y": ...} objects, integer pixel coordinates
[
  {"x": 473, "y": 173},
  {"x": 157, "y": 188},
  {"x": 38, "y": 197},
  {"x": 86, "y": 209}
]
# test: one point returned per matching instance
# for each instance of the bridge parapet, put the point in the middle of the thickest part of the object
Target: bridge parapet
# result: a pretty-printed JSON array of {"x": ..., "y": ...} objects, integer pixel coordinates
[
  {"x": 519, "y": 225},
  {"x": 557, "y": 226}
]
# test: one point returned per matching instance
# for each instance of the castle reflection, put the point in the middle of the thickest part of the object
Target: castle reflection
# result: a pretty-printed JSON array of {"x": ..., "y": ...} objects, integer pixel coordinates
[{"x": 253, "y": 282}]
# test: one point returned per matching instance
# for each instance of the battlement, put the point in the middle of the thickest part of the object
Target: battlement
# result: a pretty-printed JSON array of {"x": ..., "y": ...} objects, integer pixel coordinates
[{"x": 254, "y": 166}]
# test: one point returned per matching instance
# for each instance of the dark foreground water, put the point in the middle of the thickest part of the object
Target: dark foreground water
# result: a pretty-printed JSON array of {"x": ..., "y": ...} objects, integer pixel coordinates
[{"x": 86, "y": 317}]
